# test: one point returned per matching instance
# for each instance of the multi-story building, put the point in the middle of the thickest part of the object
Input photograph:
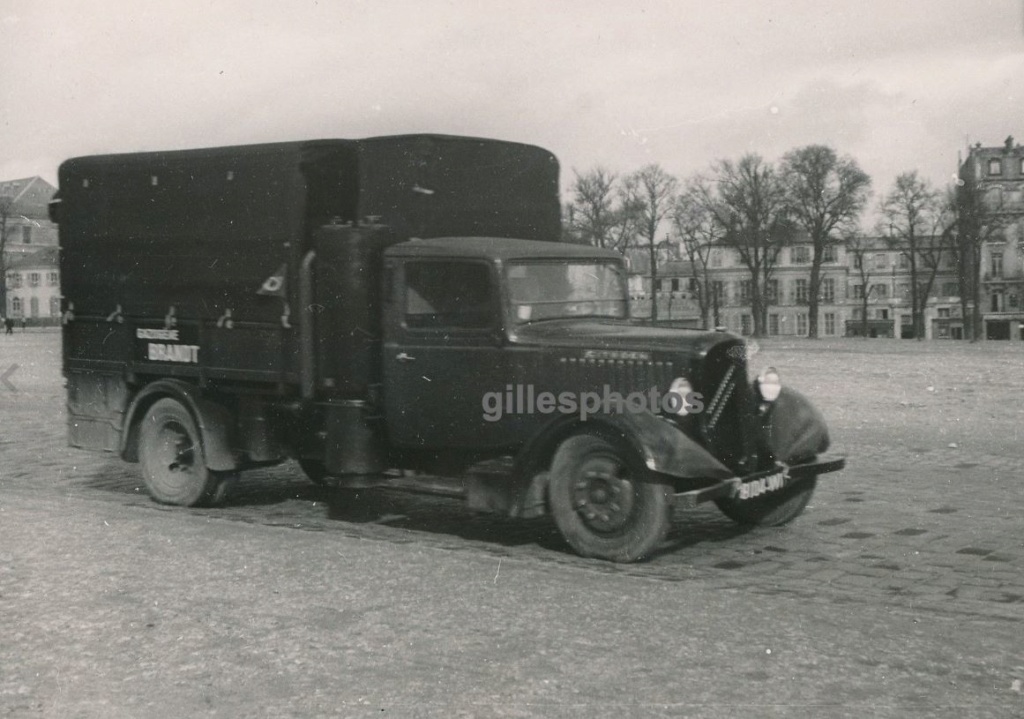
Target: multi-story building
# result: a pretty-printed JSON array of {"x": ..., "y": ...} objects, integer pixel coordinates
[
  {"x": 30, "y": 251},
  {"x": 841, "y": 295},
  {"x": 999, "y": 174}
]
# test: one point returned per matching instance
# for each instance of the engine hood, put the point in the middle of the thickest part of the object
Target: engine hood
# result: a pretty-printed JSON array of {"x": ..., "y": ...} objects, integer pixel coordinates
[{"x": 618, "y": 336}]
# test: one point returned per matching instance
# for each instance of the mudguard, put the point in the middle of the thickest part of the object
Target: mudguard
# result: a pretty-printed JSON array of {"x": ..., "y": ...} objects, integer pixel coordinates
[
  {"x": 214, "y": 422},
  {"x": 663, "y": 447},
  {"x": 795, "y": 429}
]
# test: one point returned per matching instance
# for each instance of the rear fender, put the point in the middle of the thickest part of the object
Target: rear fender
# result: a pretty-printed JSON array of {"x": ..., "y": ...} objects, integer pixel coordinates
[{"x": 214, "y": 421}]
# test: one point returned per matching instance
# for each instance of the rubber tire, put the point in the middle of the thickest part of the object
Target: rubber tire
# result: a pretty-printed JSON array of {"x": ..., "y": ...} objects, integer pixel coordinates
[
  {"x": 770, "y": 510},
  {"x": 315, "y": 471},
  {"x": 197, "y": 486},
  {"x": 647, "y": 523}
]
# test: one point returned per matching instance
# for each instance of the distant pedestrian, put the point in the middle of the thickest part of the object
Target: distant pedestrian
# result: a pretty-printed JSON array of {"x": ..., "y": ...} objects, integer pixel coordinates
[
  {"x": 22, "y": 324},
  {"x": 8, "y": 326}
]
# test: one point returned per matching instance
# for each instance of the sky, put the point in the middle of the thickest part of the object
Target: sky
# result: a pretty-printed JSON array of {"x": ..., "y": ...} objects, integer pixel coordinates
[{"x": 898, "y": 85}]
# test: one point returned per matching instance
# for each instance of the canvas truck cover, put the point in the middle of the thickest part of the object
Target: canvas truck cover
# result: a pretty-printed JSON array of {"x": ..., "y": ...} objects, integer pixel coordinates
[
  {"x": 201, "y": 230},
  {"x": 188, "y": 262}
]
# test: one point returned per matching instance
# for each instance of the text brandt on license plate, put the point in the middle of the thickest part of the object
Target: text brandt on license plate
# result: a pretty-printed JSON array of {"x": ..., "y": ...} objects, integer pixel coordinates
[{"x": 757, "y": 487}]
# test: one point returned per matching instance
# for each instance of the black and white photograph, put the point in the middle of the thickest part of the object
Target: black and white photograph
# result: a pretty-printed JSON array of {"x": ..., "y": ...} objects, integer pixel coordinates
[{"x": 511, "y": 359}]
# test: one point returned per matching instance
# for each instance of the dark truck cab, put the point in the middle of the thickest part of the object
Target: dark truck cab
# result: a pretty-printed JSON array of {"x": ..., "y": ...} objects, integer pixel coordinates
[{"x": 396, "y": 306}]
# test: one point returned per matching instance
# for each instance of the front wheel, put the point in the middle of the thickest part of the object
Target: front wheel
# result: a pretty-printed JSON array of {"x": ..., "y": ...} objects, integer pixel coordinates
[
  {"x": 171, "y": 454},
  {"x": 770, "y": 510},
  {"x": 603, "y": 502}
]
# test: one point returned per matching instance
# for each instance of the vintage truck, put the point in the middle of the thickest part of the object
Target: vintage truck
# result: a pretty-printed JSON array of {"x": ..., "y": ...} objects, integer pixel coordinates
[{"x": 401, "y": 306}]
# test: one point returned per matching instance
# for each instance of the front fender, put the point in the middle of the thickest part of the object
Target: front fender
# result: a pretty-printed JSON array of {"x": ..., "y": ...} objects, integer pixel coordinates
[
  {"x": 795, "y": 429},
  {"x": 665, "y": 448}
]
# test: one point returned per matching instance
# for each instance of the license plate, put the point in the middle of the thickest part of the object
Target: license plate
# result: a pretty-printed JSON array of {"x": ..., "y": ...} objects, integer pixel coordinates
[{"x": 764, "y": 485}]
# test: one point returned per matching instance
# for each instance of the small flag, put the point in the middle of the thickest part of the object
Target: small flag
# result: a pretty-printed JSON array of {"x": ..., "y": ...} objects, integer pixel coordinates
[{"x": 273, "y": 286}]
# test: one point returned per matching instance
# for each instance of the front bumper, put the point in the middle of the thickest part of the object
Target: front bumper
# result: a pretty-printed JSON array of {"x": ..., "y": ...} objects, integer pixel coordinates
[{"x": 781, "y": 475}]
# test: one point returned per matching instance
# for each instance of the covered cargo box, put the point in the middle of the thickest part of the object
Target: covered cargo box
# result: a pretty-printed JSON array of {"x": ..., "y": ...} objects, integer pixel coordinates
[{"x": 188, "y": 262}]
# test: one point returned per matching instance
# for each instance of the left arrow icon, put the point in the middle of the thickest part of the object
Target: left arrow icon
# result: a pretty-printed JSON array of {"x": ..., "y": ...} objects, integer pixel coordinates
[{"x": 5, "y": 378}]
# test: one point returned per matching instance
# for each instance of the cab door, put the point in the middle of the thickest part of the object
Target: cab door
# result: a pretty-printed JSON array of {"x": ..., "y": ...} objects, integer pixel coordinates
[{"x": 443, "y": 353}]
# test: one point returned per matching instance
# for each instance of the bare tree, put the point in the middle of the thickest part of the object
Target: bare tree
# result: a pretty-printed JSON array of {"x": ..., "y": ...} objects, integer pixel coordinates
[
  {"x": 914, "y": 213},
  {"x": 698, "y": 233},
  {"x": 601, "y": 212},
  {"x": 650, "y": 191},
  {"x": 860, "y": 246},
  {"x": 976, "y": 220},
  {"x": 749, "y": 203},
  {"x": 6, "y": 209},
  {"x": 826, "y": 195}
]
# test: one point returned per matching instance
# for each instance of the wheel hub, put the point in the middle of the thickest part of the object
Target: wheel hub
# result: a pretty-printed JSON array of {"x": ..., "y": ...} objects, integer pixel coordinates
[{"x": 603, "y": 494}]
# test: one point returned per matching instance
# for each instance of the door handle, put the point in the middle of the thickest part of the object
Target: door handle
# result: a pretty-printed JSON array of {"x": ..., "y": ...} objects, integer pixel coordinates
[{"x": 403, "y": 357}]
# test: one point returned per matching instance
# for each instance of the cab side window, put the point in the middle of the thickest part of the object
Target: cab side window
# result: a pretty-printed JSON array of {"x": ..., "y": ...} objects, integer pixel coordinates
[{"x": 449, "y": 295}]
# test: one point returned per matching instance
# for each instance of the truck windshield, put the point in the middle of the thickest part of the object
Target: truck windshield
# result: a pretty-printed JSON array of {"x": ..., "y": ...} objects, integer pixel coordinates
[{"x": 558, "y": 290}]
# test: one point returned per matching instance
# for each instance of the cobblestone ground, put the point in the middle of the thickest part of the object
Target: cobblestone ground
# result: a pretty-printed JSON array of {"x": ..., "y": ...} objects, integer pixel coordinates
[{"x": 929, "y": 513}]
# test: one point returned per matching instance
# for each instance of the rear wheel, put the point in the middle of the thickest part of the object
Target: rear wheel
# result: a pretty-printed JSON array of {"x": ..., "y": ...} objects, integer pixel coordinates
[
  {"x": 770, "y": 510},
  {"x": 603, "y": 501},
  {"x": 171, "y": 454}
]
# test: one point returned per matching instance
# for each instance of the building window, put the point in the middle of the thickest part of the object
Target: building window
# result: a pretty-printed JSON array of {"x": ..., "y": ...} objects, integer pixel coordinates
[
  {"x": 801, "y": 324},
  {"x": 55, "y": 307},
  {"x": 995, "y": 166},
  {"x": 716, "y": 258},
  {"x": 858, "y": 313},
  {"x": 26, "y": 234},
  {"x": 903, "y": 291},
  {"x": 800, "y": 291},
  {"x": 16, "y": 306},
  {"x": 881, "y": 261},
  {"x": 943, "y": 312},
  {"x": 657, "y": 285},
  {"x": 773, "y": 291},
  {"x": 773, "y": 324},
  {"x": 881, "y": 314},
  {"x": 904, "y": 262},
  {"x": 1012, "y": 299},
  {"x": 13, "y": 280},
  {"x": 53, "y": 278},
  {"x": 829, "y": 254},
  {"x": 858, "y": 292},
  {"x": 745, "y": 291},
  {"x": 801, "y": 255},
  {"x": 950, "y": 289},
  {"x": 857, "y": 260},
  {"x": 745, "y": 325},
  {"x": 830, "y": 323},
  {"x": 997, "y": 264},
  {"x": 880, "y": 291},
  {"x": 34, "y": 305},
  {"x": 675, "y": 284},
  {"x": 33, "y": 279},
  {"x": 828, "y": 290}
]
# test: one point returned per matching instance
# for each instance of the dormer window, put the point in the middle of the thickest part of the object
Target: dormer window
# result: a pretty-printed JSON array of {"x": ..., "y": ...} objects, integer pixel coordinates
[{"x": 995, "y": 166}]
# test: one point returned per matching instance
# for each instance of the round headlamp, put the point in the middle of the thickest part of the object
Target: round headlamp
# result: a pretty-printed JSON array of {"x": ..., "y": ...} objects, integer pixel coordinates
[
  {"x": 678, "y": 391},
  {"x": 769, "y": 385}
]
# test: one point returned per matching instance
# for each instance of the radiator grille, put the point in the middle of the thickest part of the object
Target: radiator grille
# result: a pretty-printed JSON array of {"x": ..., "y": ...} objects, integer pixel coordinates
[{"x": 729, "y": 407}]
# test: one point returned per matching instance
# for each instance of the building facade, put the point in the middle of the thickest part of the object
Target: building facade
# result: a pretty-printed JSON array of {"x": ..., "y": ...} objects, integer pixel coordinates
[
  {"x": 999, "y": 174},
  {"x": 31, "y": 267},
  {"x": 841, "y": 297}
]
